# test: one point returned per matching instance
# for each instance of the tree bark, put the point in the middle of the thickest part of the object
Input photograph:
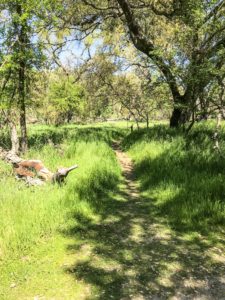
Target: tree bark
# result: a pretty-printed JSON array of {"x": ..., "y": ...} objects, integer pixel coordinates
[
  {"x": 196, "y": 82},
  {"x": 23, "y": 125},
  {"x": 137, "y": 123},
  {"x": 146, "y": 46},
  {"x": 180, "y": 114},
  {"x": 147, "y": 121},
  {"x": 22, "y": 38},
  {"x": 14, "y": 138},
  {"x": 216, "y": 134},
  {"x": 175, "y": 118}
]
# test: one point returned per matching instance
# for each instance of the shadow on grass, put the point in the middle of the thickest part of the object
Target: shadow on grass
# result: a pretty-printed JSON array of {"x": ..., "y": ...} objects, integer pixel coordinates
[
  {"x": 200, "y": 137},
  {"x": 87, "y": 134},
  {"x": 185, "y": 181},
  {"x": 131, "y": 252}
]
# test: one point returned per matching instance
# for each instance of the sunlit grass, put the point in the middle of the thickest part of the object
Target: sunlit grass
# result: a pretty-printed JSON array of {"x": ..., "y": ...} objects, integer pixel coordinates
[
  {"x": 30, "y": 213},
  {"x": 90, "y": 239},
  {"x": 183, "y": 176},
  {"x": 33, "y": 219}
]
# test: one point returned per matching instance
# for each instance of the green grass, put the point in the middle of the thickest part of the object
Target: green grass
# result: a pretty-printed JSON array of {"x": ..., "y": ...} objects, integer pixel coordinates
[
  {"x": 89, "y": 239},
  {"x": 183, "y": 176},
  {"x": 31, "y": 215}
]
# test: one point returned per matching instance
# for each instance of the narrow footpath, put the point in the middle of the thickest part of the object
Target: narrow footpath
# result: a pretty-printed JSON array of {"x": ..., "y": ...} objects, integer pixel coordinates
[{"x": 129, "y": 253}]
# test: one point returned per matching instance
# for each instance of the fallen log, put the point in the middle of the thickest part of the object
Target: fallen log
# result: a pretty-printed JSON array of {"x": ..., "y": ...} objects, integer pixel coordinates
[{"x": 33, "y": 171}]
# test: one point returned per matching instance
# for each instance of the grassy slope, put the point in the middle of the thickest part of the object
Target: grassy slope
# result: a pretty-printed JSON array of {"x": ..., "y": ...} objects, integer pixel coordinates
[
  {"x": 183, "y": 176},
  {"x": 31, "y": 216}
]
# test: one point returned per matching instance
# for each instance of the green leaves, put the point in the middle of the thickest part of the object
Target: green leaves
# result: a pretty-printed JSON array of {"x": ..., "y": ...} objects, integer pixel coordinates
[{"x": 60, "y": 99}]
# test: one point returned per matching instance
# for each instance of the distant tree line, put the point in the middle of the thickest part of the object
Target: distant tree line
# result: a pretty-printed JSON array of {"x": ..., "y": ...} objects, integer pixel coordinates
[{"x": 151, "y": 58}]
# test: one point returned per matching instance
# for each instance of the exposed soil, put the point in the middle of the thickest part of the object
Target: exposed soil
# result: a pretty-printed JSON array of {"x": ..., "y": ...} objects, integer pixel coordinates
[
  {"x": 127, "y": 170},
  {"x": 168, "y": 266}
]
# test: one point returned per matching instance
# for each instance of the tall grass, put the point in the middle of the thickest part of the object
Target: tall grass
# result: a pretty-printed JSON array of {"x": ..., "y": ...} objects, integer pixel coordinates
[
  {"x": 28, "y": 214},
  {"x": 183, "y": 178}
]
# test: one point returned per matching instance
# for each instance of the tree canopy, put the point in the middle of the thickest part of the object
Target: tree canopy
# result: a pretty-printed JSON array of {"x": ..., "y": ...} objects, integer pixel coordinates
[{"x": 137, "y": 57}]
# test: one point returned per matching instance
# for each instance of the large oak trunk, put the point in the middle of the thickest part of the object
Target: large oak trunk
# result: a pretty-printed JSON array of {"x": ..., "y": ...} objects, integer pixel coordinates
[
  {"x": 181, "y": 113},
  {"x": 176, "y": 117}
]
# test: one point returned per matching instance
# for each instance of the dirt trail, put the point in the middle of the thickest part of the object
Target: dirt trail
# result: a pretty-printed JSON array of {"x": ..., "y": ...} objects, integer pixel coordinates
[
  {"x": 169, "y": 267},
  {"x": 127, "y": 253},
  {"x": 127, "y": 170}
]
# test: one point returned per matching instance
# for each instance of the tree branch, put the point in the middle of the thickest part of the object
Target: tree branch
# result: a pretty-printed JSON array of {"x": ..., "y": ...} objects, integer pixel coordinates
[
  {"x": 214, "y": 10},
  {"x": 141, "y": 43}
]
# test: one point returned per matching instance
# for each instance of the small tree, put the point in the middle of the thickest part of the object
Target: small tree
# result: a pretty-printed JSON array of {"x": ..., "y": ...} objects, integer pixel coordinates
[
  {"x": 60, "y": 99},
  {"x": 21, "y": 52}
]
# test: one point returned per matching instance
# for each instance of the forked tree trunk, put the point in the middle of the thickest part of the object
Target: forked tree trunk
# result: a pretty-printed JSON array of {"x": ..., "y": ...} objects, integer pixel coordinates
[{"x": 180, "y": 114}]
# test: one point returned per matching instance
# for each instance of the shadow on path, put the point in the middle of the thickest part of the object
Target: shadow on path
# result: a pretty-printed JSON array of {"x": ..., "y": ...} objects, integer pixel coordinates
[{"x": 130, "y": 253}]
